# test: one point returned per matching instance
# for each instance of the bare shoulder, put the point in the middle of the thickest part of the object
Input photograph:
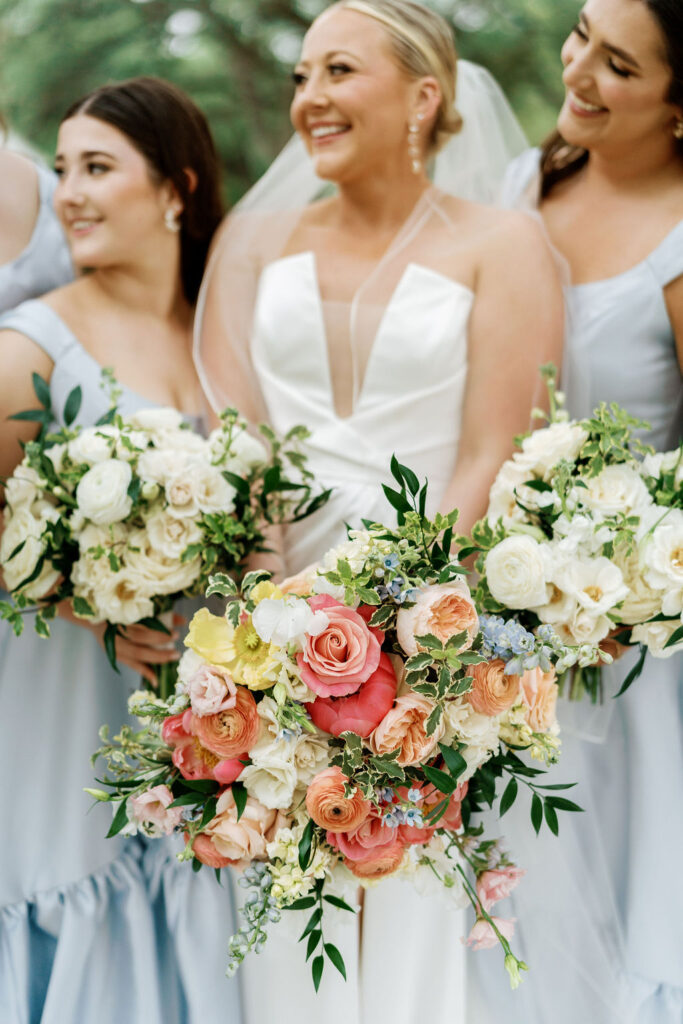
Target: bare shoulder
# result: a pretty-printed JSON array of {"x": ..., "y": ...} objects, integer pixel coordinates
[
  {"x": 19, "y": 202},
  {"x": 492, "y": 225}
]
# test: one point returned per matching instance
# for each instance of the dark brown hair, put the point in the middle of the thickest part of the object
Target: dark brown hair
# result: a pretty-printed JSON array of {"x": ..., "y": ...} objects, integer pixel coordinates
[
  {"x": 559, "y": 159},
  {"x": 173, "y": 135}
]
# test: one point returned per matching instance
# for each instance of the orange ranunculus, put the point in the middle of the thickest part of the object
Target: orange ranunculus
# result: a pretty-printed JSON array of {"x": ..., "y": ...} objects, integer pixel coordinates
[
  {"x": 330, "y": 808},
  {"x": 232, "y": 731},
  {"x": 492, "y": 691}
]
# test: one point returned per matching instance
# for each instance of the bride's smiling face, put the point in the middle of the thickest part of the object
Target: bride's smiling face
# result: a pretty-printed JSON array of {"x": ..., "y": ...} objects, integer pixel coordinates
[
  {"x": 106, "y": 199},
  {"x": 617, "y": 79},
  {"x": 352, "y": 103}
]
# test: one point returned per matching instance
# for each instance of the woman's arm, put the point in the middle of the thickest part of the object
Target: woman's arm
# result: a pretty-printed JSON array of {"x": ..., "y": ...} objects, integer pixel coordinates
[
  {"x": 19, "y": 204},
  {"x": 673, "y": 295},
  {"x": 516, "y": 325},
  {"x": 21, "y": 357}
]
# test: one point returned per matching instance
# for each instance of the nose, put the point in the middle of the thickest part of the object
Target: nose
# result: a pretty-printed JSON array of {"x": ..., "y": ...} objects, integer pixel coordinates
[
  {"x": 313, "y": 92},
  {"x": 69, "y": 189},
  {"x": 578, "y": 66}
]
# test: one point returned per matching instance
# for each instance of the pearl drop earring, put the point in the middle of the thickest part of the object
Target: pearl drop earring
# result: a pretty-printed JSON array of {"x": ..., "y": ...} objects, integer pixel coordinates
[
  {"x": 171, "y": 221},
  {"x": 414, "y": 150}
]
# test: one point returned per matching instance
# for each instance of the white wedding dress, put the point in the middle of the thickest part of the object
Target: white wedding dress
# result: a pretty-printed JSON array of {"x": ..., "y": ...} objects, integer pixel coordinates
[{"x": 410, "y": 964}]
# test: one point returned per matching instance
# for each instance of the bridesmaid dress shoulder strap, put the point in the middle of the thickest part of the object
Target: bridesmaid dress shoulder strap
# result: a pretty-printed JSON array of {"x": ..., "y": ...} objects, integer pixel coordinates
[
  {"x": 666, "y": 262},
  {"x": 42, "y": 325}
]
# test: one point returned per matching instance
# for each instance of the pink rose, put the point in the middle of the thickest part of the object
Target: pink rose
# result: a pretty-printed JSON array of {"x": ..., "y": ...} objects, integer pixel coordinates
[
  {"x": 236, "y": 842},
  {"x": 366, "y": 842},
  {"x": 483, "y": 936},
  {"x": 362, "y": 711},
  {"x": 497, "y": 884},
  {"x": 539, "y": 692},
  {"x": 443, "y": 610},
  {"x": 385, "y": 863},
  {"x": 194, "y": 761},
  {"x": 337, "y": 661},
  {"x": 211, "y": 689},
  {"x": 151, "y": 808},
  {"x": 405, "y": 727}
]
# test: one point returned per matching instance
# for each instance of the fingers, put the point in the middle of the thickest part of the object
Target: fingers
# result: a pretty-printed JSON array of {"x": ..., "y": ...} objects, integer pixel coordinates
[
  {"x": 141, "y": 652},
  {"x": 149, "y": 637}
]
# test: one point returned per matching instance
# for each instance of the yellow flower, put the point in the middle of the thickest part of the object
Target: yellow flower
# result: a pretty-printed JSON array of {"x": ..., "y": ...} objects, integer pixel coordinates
[
  {"x": 265, "y": 589},
  {"x": 211, "y": 636},
  {"x": 252, "y": 659}
]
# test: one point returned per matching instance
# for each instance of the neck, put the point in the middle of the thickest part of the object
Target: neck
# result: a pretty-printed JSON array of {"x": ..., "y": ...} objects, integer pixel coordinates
[
  {"x": 378, "y": 204},
  {"x": 643, "y": 169},
  {"x": 151, "y": 286}
]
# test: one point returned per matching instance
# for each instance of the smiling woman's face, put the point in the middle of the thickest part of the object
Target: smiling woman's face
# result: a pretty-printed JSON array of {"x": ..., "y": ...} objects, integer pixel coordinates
[
  {"x": 105, "y": 198},
  {"x": 617, "y": 80},
  {"x": 352, "y": 103}
]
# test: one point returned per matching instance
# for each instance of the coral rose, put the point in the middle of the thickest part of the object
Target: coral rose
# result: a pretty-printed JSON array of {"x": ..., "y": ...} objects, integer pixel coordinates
[
  {"x": 539, "y": 692},
  {"x": 343, "y": 656},
  {"x": 194, "y": 761},
  {"x": 497, "y": 884},
  {"x": 238, "y": 842},
  {"x": 206, "y": 852},
  {"x": 366, "y": 842},
  {"x": 362, "y": 711},
  {"x": 492, "y": 691},
  {"x": 405, "y": 727},
  {"x": 230, "y": 731},
  {"x": 386, "y": 863},
  {"x": 442, "y": 610},
  {"x": 330, "y": 808}
]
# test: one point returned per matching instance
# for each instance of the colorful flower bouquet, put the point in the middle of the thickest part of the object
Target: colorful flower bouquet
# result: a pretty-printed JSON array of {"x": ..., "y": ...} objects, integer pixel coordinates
[
  {"x": 346, "y": 725},
  {"x": 584, "y": 536},
  {"x": 123, "y": 518}
]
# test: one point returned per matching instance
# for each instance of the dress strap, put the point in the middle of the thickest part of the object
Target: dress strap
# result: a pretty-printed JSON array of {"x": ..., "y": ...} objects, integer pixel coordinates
[
  {"x": 666, "y": 262},
  {"x": 42, "y": 325}
]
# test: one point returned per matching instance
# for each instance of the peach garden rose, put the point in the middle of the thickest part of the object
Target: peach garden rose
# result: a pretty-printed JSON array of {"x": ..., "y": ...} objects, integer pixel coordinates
[
  {"x": 443, "y": 610},
  {"x": 405, "y": 727}
]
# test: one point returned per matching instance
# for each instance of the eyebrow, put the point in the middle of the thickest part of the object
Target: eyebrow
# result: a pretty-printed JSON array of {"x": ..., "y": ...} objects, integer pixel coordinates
[
  {"x": 330, "y": 54},
  {"x": 89, "y": 154},
  {"x": 616, "y": 50}
]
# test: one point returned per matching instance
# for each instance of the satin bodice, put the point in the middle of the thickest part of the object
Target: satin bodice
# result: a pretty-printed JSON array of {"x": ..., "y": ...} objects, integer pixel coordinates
[{"x": 409, "y": 403}]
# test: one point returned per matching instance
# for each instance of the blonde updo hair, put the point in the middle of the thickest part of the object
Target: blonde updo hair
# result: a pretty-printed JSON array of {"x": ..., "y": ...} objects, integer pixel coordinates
[{"x": 422, "y": 43}]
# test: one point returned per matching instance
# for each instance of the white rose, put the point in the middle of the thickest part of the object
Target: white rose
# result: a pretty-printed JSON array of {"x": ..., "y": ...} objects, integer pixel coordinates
[
  {"x": 93, "y": 445},
  {"x": 21, "y": 528},
  {"x": 544, "y": 448},
  {"x": 183, "y": 489},
  {"x": 655, "y": 636},
  {"x": 23, "y": 487},
  {"x": 154, "y": 573},
  {"x": 618, "y": 489},
  {"x": 214, "y": 493},
  {"x": 286, "y": 620},
  {"x": 663, "y": 462},
  {"x": 311, "y": 755},
  {"x": 271, "y": 781},
  {"x": 662, "y": 561},
  {"x": 642, "y": 602},
  {"x": 583, "y": 628},
  {"x": 478, "y": 732},
  {"x": 508, "y": 485},
  {"x": 154, "y": 419},
  {"x": 119, "y": 599},
  {"x": 515, "y": 572},
  {"x": 170, "y": 536},
  {"x": 102, "y": 494},
  {"x": 595, "y": 583},
  {"x": 160, "y": 464}
]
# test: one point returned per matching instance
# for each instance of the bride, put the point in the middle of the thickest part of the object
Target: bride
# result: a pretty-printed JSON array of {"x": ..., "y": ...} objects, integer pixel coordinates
[{"x": 389, "y": 316}]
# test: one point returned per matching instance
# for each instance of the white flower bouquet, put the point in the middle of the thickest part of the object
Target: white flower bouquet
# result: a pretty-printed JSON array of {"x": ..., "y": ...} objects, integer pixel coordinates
[
  {"x": 342, "y": 727},
  {"x": 585, "y": 535},
  {"x": 123, "y": 518}
]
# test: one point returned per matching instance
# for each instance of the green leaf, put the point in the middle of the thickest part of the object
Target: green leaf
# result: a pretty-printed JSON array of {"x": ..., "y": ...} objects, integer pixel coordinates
[
  {"x": 634, "y": 673},
  {"x": 380, "y": 617},
  {"x": 239, "y": 795},
  {"x": 335, "y": 957},
  {"x": 551, "y": 818},
  {"x": 155, "y": 624},
  {"x": 317, "y": 971},
  {"x": 429, "y": 641},
  {"x": 675, "y": 638},
  {"x": 120, "y": 820},
  {"x": 418, "y": 662},
  {"x": 221, "y": 583},
  {"x": 185, "y": 800},
  {"x": 209, "y": 811},
  {"x": 434, "y": 720},
  {"x": 196, "y": 865},
  {"x": 32, "y": 416},
  {"x": 336, "y": 901},
  {"x": 509, "y": 796},
  {"x": 561, "y": 804},
  {"x": 313, "y": 942},
  {"x": 313, "y": 922},
  {"x": 455, "y": 762},
  {"x": 396, "y": 499},
  {"x": 305, "y": 903},
  {"x": 536, "y": 812},
  {"x": 82, "y": 607},
  {"x": 42, "y": 390},
  {"x": 41, "y": 626},
  {"x": 305, "y": 846},
  {"x": 411, "y": 480},
  {"x": 72, "y": 405},
  {"x": 443, "y": 782},
  {"x": 134, "y": 488}
]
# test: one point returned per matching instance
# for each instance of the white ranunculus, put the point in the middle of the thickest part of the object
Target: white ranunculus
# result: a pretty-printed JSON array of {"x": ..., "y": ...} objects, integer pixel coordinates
[
  {"x": 663, "y": 462},
  {"x": 655, "y": 636},
  {"x": 170, "y": 536},
  {"x": 595, "y": 583},
  {"x": 544, "y": 448},
  {"x": 102, "y": 494},
  {"x": 214, "y": 493},
  {"x": 23, "y": 487},
  {"x": 270, "y": 780},
  {"x": 93, "y": 445},
  {"x": 642, "y": 602},
  {"x": 618, "y": 489},
  {"x": 516, "y": 574},
  {"x": 662, "y": 560},
  {"x": 287, "y": 620}
]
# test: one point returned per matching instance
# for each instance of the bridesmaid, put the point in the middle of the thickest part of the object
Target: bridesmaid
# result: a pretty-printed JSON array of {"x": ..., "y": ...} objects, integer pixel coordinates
[
  {"x": 605, "y": 938},
  {"x": 83, "y": 919}
]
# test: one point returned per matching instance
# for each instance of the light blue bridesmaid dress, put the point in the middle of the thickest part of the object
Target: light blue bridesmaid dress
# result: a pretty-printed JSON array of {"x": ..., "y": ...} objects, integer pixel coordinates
[
  {"x": 601, "y": 909},
  {"x": 92, "y": 930}
]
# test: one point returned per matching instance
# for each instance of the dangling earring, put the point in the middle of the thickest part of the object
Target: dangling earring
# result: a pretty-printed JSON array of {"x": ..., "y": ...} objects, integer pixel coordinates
[
  {"x": 171, "y": 221},
  {"x": 414, "y": 146},
  {"x": 678, "y": 130}
]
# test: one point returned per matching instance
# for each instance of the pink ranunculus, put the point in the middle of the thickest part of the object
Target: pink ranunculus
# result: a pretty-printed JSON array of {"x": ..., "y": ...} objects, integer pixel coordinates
[
  {"x": 385, "y": 863},
  {"x": 337, "y": 661},
  {"x": 152, "y": 808},
  {"x": 443, "y": 609},
  {"x": 483, "y": 936},
  {"x": 365, "y": 842},
  {"x": 497, "y": 884},
  {"x": 362, "y": 711},
  {"x": 539, "y": 693},
  {"x": 405, "y": 727},
  {"x": 193, "y": 760},
  {"x": 211, "y": 689}
]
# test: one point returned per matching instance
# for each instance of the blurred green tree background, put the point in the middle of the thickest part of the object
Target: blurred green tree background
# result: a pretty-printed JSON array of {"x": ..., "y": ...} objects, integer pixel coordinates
[{"x": 234, "y": 58}]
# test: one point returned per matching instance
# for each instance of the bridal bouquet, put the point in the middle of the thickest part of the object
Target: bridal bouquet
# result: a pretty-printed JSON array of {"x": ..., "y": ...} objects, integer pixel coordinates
[
  {"x": 345, "y": 726},
  {"x": 123, "y": 518},
  {"x": 585, "y": 537}
]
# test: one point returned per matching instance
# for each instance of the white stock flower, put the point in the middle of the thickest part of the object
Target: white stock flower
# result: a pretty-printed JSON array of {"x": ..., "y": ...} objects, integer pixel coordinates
[
  {"x": 580, "y": 534},
  {"x": 102, "y": 494},
  {"x": 55, "y": 454},
  {"x": 286, "y": 620},
  {"x": 545, "y": 447},
  {"x": 93, "y": 445},
  {"x": 618, "y": 489},
  {"x": 662, "y": 561},
  {"x": 516, "y": 574},
  {"x": 170, "y": 536},
  {"x": 655, "y": 636},
  {"x": 355, "y": 551},
  {"x": 271, "y": 780}
]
